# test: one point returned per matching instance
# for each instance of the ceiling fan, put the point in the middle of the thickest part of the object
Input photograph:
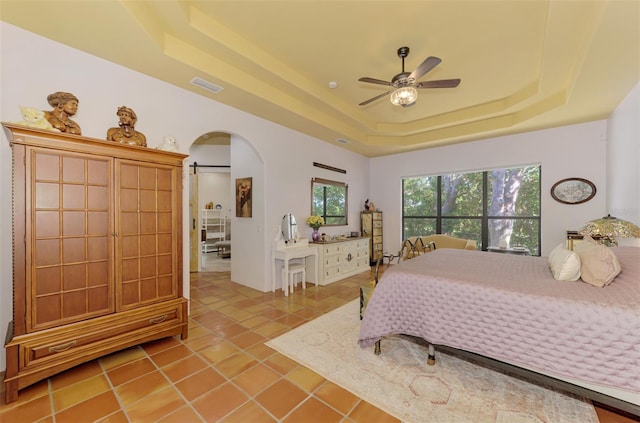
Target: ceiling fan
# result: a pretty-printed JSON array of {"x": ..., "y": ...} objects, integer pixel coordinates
[{"x": 404, "y": 92}]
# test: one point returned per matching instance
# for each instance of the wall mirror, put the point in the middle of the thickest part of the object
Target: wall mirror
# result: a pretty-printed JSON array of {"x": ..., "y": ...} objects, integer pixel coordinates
[
  {"x": 289, "y": 228},
  {"x": 329, "y": 200}
]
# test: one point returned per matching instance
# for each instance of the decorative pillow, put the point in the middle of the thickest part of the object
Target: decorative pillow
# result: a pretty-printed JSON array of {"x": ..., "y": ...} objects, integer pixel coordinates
[
  {"x": 564, "y": 264},
  {"x": 599, "y": 264}
]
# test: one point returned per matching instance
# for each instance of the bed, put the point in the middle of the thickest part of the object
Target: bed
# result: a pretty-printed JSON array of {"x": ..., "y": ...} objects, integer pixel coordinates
[{"x": 511, "y": 309}]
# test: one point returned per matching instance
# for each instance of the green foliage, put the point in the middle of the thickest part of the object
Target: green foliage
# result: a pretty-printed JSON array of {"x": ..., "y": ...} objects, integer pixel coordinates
[
  {"x": 512, "y": 209},
  {"x": 329, "y": 201}
]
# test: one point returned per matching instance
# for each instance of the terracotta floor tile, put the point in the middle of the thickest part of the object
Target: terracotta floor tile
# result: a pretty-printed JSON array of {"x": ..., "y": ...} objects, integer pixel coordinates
[
  {"x": 281, "y": 397},
  {"x": 270, "y": 329},
  {"x": 155, "y": 347},
  {"x": 90, "y": 410},
  {"x": 257, "y": 308},
  {"x": 313, "y": 410},
  {"x": 25, "y": 395},
  {"x": 250, "y": 412},
  {"x": 30, "y": 411},
  {"x": 75, "y": 374},
  {"x": 136, "y": 389},
  {"x": 256, "y": 379},
  {"x": 272, "y": 314},
  {"x": 155, "y": 406},
  {"x": 122, "y": 357},
  {"x": 196, "y": 331},
  {"x": 202, "y": 342},
  {"x": 80, "y": 392},
  {"x": 231, "y": 330},
  {"x": 220, "y": 402},
  {"x": 254, "y": 321},
  {"x": 305, "y": 378},
  {"x": 235, "y": 364},
  {"x": 260, "y": 351},
  {"x": 246, "y": 339},
  {"x": 183, "y": 415},
  {"x": 291, "y": 320},
  {"x": 130, "y": 371},
  {"x": 200, "y": 383},
  {"x": 180, "y": 369},
  {"x": 217, "y": 353},
  {"x": 365, "y": 413},
  {"x": 337, "y": 397},
  {"x": 240, "y": 315},
  {"x": 171, "y": 355},
  {"x": 117, "y": 417},
  {"x": 281, "y": 363}
]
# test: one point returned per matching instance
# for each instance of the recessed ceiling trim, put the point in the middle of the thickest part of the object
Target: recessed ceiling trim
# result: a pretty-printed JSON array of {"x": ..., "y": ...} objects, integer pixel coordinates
[{"x": 209, "y": 86}]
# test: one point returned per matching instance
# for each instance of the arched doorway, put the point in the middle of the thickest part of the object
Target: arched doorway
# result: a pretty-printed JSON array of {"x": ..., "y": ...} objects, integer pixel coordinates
[{"x": 210, "y": 203}]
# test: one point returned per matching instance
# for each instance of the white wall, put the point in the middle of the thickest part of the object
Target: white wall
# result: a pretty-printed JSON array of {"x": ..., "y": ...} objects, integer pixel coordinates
[
  {"x": 623, "y": 159},
  {"x": 282, "y": 182},
  {"x": 569, "y": 151}
]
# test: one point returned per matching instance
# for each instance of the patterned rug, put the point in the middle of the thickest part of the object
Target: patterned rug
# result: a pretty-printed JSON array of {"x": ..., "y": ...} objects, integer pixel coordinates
[{"x": 399, "y": 382}]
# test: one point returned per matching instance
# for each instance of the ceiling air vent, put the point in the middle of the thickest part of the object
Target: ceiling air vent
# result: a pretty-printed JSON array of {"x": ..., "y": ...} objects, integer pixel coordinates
[{"x": 206, "y": 85}]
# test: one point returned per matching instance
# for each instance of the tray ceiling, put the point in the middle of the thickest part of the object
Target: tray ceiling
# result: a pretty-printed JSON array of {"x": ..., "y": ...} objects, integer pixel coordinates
[{"x": 524, "y": 65}]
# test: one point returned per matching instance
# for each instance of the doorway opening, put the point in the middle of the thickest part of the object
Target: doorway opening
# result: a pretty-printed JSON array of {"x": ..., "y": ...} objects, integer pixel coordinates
[{"x": 210, "y": 203}]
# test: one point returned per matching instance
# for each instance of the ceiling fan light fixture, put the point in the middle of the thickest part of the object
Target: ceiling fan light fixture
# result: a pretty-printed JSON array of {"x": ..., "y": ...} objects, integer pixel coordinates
[{"x": 404, "y": 96}]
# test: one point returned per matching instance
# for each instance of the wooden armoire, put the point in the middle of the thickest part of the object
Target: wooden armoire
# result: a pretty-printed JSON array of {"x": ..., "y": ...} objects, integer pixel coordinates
[{"x": 97, "y": 251}]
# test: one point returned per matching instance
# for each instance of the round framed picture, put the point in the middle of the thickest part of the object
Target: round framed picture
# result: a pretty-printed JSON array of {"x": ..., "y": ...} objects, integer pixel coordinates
[{"x": 573, "y": 191}]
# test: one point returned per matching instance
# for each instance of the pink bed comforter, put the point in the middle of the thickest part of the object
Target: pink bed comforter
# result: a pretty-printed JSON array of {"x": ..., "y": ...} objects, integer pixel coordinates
[{"x": 510, "y": 308}]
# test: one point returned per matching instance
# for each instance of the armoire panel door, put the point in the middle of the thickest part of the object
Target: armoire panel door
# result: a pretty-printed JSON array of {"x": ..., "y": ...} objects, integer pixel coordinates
[
  {"x": 146, "y": 247},
  {"x": 69, "y": 238}
]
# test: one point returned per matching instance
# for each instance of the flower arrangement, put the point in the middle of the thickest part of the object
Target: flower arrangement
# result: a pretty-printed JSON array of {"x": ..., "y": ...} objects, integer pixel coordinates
[{"x": 315, "y": 222}]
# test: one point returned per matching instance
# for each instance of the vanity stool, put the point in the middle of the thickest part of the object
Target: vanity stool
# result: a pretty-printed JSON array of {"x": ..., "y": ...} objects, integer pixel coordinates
[{"x": 289, "y": 280}]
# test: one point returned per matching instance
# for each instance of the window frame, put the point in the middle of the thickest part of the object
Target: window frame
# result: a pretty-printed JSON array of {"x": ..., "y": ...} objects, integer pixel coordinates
[{"x": 484, "y": 218}]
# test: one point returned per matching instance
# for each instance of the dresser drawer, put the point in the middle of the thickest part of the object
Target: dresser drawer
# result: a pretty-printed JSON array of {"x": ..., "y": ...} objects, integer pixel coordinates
[
  {"x": 333, "y": 249},
  {"x": 77, "y": 340}
]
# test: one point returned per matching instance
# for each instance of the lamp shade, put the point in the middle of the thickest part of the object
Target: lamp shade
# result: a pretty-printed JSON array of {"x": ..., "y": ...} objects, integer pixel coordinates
[
  {"x": 611, "y": 227},
  {"x": 404, "y": 96}
]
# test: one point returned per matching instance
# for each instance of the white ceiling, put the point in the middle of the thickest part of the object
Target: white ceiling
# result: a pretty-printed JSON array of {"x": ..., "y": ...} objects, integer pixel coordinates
[{"x": 524, "y": 65}]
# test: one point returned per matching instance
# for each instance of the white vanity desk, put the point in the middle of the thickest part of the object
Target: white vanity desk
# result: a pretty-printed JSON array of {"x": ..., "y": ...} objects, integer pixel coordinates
[{"x": 283, "y": 253}]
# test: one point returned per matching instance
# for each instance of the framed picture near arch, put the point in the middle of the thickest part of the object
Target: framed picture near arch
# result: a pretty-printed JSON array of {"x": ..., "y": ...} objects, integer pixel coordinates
[{"x": 243, "y": 197}]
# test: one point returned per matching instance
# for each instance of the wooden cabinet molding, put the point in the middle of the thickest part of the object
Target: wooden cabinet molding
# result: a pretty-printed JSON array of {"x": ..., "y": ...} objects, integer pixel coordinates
[{"x": 97, "y": 251}]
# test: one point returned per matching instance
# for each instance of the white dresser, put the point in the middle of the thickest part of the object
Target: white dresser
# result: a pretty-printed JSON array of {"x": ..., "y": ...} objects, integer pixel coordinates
[{"x": 342, "y": 258}]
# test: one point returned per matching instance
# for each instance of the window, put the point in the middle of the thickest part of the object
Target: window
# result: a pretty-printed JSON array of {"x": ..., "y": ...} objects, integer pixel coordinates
[
  {"x": 493, "y": 207},
  {"x": 329, "y": 200}
]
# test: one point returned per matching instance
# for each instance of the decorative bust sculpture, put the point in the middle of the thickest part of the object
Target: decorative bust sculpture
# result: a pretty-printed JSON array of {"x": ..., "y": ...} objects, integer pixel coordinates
[
  {"x": 125, "y": 132},
  {"x": 65, "y": 105}
]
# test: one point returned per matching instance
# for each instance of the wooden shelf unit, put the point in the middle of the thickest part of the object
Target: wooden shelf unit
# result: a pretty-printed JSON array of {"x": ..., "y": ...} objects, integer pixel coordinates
[{"x": 214, "y": 224}]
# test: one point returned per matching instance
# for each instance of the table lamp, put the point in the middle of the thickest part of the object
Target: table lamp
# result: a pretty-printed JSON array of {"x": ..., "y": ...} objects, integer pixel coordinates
[{"x": 609, "y": 227}]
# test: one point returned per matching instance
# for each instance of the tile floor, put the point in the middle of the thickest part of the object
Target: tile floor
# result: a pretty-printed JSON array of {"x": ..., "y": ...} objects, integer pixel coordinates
[{"x": 223, "y": 372}]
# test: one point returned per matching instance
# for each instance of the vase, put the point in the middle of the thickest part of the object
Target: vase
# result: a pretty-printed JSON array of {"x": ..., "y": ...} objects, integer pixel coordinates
[{"x": 315, "y": 235}]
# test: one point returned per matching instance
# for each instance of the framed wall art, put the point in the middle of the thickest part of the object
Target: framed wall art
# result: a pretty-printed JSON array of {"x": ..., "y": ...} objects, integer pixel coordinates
[
  {"x": 243, "y": 197},
  {"x": 573, "y": 191}
]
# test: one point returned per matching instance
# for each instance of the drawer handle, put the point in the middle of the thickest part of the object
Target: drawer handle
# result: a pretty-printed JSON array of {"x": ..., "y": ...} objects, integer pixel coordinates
[
  {"x": 63, "y": 347},
  {"x": 157, "y": 320}
]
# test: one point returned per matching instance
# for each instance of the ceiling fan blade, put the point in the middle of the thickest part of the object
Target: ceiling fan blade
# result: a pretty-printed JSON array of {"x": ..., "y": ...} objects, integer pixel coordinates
[
  {"x": 443, "y": 83},
  {"x": 374, "y": 81},
  {"x": 364, "y": 103},
  {"x": 428, "y": 64}
]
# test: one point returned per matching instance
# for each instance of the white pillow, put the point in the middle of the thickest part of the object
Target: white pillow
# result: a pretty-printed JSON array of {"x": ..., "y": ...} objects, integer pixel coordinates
[
  {"x": 564, "y": 264},
  {"x": 599, "y": 265}
]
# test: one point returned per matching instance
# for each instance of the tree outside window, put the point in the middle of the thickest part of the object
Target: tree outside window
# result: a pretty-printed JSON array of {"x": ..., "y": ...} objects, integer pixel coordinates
[{"x": 494, "y": 207}]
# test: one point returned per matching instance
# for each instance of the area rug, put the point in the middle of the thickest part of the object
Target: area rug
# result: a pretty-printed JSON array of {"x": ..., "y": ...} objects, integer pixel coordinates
[{"x": 399, "y": 382}]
